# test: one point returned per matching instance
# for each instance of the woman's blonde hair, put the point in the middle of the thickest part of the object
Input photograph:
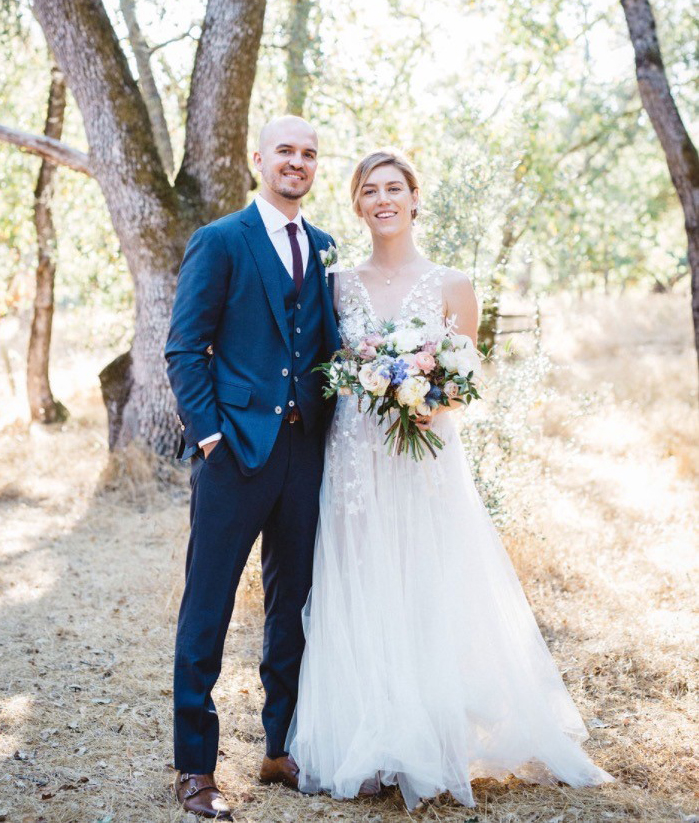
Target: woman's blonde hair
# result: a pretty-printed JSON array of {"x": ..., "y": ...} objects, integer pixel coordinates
[{"x": 372, "y": 161}]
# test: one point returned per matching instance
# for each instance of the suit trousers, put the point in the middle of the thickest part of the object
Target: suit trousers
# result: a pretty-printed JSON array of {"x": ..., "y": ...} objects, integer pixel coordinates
[{"x": 228, "y": 511}]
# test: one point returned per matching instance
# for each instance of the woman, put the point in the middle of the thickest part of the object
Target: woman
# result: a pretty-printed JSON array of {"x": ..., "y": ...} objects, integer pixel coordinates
[{"x": 424, "y": 665}]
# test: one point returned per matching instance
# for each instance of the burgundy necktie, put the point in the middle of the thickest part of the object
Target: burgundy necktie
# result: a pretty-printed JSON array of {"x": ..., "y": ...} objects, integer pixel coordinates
[{"x": 291, "y": 229}]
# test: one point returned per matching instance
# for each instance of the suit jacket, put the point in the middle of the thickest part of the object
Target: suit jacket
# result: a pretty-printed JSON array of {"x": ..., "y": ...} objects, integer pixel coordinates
[{"x": 229, "y": 297}]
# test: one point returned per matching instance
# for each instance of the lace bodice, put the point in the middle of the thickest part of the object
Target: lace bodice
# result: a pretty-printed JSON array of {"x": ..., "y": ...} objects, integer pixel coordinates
[
  {"x": 423, "y": 300},
  {"x": 356, "y": 441}
]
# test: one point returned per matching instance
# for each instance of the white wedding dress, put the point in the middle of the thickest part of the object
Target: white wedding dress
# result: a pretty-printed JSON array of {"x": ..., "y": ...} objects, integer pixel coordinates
[{"x": 424, "y": 665}]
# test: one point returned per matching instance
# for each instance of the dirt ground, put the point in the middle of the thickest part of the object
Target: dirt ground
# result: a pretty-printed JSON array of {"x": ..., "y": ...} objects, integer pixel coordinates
[{"x": 603, "y": 536}]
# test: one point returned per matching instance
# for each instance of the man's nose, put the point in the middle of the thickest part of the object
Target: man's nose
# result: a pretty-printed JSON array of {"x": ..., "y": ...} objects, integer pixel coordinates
[{"x": 296, "y": 161}]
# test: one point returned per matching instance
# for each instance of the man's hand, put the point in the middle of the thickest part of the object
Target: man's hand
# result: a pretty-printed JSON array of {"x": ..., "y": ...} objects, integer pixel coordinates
[{"x": 207, "y": 448}]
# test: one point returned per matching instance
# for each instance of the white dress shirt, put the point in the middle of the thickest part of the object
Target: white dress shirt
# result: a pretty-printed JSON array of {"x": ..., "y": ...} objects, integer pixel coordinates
[{"x": 275, "y": 224}]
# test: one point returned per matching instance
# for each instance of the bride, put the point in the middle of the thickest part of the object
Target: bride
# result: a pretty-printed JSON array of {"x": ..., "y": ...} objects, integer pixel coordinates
[{"x": 424, "y": 666}]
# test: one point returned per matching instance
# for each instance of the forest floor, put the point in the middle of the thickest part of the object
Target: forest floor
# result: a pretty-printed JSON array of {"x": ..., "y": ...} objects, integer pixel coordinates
[{"x": 602, "y": 530}]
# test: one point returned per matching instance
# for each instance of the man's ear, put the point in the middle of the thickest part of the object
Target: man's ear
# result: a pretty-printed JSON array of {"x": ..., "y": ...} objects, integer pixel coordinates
[{"x": 257, "y": 160}]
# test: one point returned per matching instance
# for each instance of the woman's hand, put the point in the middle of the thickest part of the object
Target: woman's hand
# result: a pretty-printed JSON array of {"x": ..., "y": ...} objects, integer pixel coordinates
[{"x": 424, "y": 421}]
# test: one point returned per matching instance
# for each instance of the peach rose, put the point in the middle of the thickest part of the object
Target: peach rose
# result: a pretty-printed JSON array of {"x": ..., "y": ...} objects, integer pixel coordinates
[
  {"x": 424, "y": 361},
  {"x": 451, "y": 389}
]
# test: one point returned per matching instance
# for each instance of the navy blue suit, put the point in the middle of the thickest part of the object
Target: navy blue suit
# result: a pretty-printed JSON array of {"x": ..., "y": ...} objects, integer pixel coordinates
[{"x": 235, "y": 297}]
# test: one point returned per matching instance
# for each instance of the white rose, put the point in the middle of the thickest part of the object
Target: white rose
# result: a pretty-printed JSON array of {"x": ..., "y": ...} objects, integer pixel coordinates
[
  {"x": 412, "y": 391},
  {"x": 467, "y": 360},
  {"x": 405, "y": 340},
  {"x": 448, "y": 360},
  {"x": 372, "y": 380},
  {"x": 461, "y": 341}
]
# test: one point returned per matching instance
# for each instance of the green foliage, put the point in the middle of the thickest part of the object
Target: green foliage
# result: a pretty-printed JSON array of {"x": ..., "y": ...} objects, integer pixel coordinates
[
  {"x": 496, "y": 437},
  {"x": 538, "y": 166}
]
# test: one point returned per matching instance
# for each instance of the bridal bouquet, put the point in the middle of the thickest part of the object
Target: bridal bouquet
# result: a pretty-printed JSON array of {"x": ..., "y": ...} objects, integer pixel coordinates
[{"x": 403, "y": 371}]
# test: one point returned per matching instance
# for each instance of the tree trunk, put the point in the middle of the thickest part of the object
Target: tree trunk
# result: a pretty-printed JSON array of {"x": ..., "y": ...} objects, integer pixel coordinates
[
  {"x": 42, "y": 406},
  {"x": 491, "y": 300},
  {"x": 151, "y": 217},
  {"x": 151, "y": 96},
  {"x": 297, "y": 45},
  {"x": 680, "y": 153}
]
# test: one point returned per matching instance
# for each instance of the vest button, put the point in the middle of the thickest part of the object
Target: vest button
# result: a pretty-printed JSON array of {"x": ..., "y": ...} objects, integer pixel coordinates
[
  {"x": 291, "y": 403},
  {"x": 298, "y": 305},
  {"x": 278, "y": 410},
  {"x": 296, "y": 380},
  {"x": 298, "y": 330},
  {"x": 297, "y": 354},
  {"x": 285, "y": 372}
]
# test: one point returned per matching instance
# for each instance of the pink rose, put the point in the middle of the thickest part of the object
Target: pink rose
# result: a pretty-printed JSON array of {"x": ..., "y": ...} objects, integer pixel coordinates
[
  {"x": 430, "y": 348},
  {"x": 451, "y": 389},
  {"x": 374, "y": 340},
  {"x": 424, "y": 361},
  {"x": 365, "y": 351}
]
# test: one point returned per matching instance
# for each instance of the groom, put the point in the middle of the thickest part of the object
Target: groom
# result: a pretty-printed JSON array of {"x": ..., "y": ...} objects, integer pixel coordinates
[{"x": 252, "y": 288}]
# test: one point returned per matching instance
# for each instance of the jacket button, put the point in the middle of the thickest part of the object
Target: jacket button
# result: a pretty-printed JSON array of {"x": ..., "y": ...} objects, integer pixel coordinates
[
  {"x": 285, "y": 372},
  {"x": 298, "y": 330},
  {"x": 278, "y": 410},
  {"x": 291, "y": 404},
  {"x": 297, "y": 354},
  {"x": 298, "y": 305}
]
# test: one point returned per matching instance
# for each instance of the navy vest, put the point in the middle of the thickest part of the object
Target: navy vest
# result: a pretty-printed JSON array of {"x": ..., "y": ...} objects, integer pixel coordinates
[{"x": 304, "y": 322}]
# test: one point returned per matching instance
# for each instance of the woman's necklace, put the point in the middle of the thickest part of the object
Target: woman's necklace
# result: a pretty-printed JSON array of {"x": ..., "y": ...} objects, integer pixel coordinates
[{"x": 390, "y": 275}]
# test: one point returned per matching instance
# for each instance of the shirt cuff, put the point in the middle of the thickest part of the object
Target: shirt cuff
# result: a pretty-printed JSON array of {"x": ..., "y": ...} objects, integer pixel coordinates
[{"x": 211, "y": 439}]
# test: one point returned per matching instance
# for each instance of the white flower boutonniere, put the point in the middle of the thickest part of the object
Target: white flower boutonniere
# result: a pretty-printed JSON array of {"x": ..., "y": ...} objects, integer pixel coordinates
[{"x": 329, "y": 259}]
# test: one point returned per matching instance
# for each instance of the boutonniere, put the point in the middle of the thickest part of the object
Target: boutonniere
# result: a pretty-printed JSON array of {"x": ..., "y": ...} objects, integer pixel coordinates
[{"x": 329, "y": 258}]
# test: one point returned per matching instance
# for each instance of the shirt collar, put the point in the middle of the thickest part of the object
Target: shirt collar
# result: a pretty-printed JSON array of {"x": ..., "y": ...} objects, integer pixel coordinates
[{"x": 273, "y": 219}]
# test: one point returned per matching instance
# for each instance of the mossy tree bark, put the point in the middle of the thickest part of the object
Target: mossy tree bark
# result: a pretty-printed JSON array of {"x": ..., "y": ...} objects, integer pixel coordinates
[
  {"x": 152, "y": 217},
  {"x": 42, "y": 405},
  {"x": 680, "y": 152}
]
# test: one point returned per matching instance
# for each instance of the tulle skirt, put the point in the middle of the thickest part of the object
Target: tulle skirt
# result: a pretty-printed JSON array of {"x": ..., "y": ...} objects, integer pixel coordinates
[{"x": 424, "y": 666}]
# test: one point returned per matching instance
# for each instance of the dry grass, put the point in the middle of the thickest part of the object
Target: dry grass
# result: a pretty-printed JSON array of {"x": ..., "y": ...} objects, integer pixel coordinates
[{"x": 603, "y": 540}]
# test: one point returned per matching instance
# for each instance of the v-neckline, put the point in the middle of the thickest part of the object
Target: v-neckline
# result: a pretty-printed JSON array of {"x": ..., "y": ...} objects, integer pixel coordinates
[{"x": 407, "y": 295}]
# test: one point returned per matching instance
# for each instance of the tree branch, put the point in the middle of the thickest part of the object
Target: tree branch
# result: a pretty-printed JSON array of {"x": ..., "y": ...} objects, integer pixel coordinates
[
  {"x": 176, "y": 39},
  {"x": 214, "y": 169},
  {"x": 123, "y": 155},
  {"x": 47, "y": 147},
  {"x": 151, "y": 95}
]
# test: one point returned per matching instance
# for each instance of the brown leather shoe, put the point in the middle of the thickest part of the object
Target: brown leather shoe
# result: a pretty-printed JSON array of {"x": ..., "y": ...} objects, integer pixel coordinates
[
  {"x": 370, "y": 787},
  {"x": 199, "y": 794},
  {"x": 280, "y": 770}
]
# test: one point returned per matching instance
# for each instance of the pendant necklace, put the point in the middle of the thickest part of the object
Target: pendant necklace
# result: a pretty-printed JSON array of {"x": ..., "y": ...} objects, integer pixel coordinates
[{"x": 395, "y": 273}]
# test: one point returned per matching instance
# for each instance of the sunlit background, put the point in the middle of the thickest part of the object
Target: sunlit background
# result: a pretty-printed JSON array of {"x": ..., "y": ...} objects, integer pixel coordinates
[{"x": 535, "y": 154}]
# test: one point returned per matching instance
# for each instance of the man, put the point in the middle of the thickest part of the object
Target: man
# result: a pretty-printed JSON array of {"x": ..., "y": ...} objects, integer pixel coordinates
[{"x": 252, "y": 287}]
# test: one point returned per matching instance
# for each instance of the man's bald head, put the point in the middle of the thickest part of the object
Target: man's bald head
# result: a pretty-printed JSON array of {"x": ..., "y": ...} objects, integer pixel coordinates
[
  {"x": 286, "y": 158},
  {"x": 276, "y": 130}
]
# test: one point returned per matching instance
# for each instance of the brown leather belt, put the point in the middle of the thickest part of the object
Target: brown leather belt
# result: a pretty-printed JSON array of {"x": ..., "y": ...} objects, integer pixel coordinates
[{"x": 294, "y": 415}]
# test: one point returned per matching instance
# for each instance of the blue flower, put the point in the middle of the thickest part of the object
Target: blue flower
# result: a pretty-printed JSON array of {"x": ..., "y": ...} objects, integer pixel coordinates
[{"x": 399, "y": 371}]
